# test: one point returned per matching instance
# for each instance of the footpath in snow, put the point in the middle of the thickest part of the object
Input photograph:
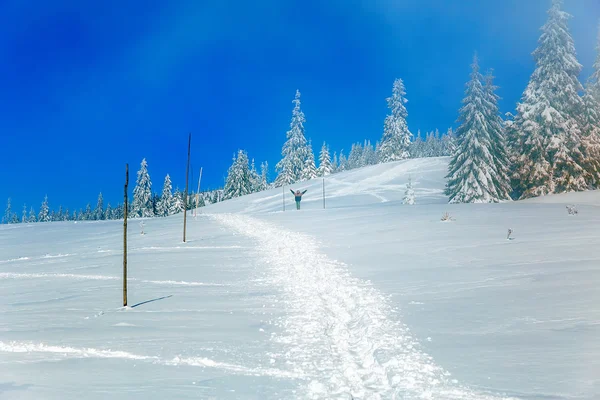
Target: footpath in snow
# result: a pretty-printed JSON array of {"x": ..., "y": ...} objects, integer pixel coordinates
[{"x": 338, "y": 331}]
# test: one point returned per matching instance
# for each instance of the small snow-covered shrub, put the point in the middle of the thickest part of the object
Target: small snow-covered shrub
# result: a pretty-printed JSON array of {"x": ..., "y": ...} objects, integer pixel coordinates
[{"x": 447, "y": 217}]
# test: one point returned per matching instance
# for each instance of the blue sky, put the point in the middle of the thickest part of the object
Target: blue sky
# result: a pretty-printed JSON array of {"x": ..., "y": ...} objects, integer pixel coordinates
[{"x": 89, "y": 86}]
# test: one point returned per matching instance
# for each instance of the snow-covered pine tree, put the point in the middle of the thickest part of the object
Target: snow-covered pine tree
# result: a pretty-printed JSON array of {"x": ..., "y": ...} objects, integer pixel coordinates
[
  {"x": 472, "y": 170},
  {"x": 429, "y": 145},
  {"x": 409, "y": 193},
  {"x": 177, "y": 205},
  {"x": 342, "y": 163},
  {"x": 396, "y": 137},
  {"x": 255, "y": 179},
  {"x": 369, "y": 157},
  {"x": 590, "y": 123},
  {"x": 44, "y": 215},
  {"x": 165, "y": 204},
  {"x": 548, "y": 158},
  {"x": 497, "y": 149},
  {"x": 590, "y": 140},
  {"x": 335, "y": 165},
  {"x": 59, "y": 214},
  {"x": 325, "y": 167},
  {"x": 7, "y": 218},
  {"x": 264, "y": 176},
  {"x": 24, "y": 214},
  {"x": 294, "y": 150},
  {"x": 89, "y": 214},
  {"x": 355, "y": 157},
  {"x": 142, "y": 194},
  {"x": 118, "y": 212},
  {"x": 99, "y": 211},
  {"x": 593, "y": 85},
  {"x": 448, "y": 143},
  {"x": 416, "y": 147},
  {"x": 238, "y": 182},
  {"x": 310, "y": 168},
  {"x": 32, "y": 218}
]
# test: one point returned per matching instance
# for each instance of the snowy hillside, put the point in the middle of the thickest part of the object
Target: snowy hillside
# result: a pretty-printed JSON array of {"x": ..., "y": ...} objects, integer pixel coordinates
[{"x": 367, "y": 299}]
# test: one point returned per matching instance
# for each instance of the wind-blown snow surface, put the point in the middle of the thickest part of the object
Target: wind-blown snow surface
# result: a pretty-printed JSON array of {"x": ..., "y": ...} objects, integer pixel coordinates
[{"x": 367, "y": 299}]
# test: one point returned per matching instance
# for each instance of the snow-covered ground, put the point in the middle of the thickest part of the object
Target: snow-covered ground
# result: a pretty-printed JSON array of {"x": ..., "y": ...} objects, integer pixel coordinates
[{"x": 366, "y": 299}]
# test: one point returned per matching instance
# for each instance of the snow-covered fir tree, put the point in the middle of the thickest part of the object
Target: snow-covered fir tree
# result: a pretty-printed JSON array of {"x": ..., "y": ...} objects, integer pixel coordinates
[
  {"x": 369, "y": 156},
  {"x": 89, "y": 214},
  {"x": 99, "y": 211},
  {"x": 255, "y": 179},
  {"x": 590, "y": 140},
  {"x": 59, "y": 216},
  {"x": 119, "y": 212},
  {"x": 549, "y": 159},
  {"x": 108, "y": 212},
  {"x": 177, "y": 205},
  {"x": 409, "y": 193},
  {"x": 7, "y": 218},
  {"x": 44, "y": 215},
  {"x": 429, "y": 147},
  {"x": 593, "y": 85},
  {"x": 590, "y": 123},
  {"x": 325, "y": 167},
  {"x": 355, "y": 156},
  {"x": 310, "y": 169},
  {"x": 342, "y": 163},
  {"x": 32, "y": 218},
  {"x": 396, "y": 137},
  {"x": 334, "y": 163},
  {"x": 142, "y": 194},
  {"x": 497, "y": 148},
  {"x": 472, "y": 171},
  {"x": 264, "y": 176},
  {"x": 448, "y": 143},
  {"x": 294, "y": 150},
  {"x": 165, "y": 204},
  {"x": 238, "y": 182},
  {"x": 416, "y": 147},
  {"x": 24, "y": 214}
]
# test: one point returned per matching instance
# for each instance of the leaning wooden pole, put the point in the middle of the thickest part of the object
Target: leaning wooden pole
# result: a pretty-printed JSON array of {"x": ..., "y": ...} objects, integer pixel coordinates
[
  {"x": 126, "y": 206},
  {"x": 185, "y": 196}
]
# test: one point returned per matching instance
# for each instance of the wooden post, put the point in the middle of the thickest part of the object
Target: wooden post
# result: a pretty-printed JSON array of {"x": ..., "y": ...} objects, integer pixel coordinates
[
  {"x": 323, "y": 193},
  {"x": 185, "y": 196},
  {"x": 125, "y": 237}
]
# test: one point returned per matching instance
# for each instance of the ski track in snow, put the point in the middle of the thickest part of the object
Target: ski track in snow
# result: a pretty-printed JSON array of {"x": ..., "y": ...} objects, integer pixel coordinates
[
  {"x": 65, "y": 352},
  {"x": 339, "y": 331}
]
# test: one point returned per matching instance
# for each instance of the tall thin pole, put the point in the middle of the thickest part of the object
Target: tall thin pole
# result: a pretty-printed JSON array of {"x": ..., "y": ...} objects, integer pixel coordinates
[
  {"x": 187, "y": 172},
  {"x": 125, "y": 237},
  {"x": 323, "y": 193},
  {"x": 198, "y": 191}
]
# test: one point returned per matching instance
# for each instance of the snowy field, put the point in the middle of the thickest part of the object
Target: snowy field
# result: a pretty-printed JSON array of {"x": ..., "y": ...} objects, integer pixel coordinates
[{"x": 367, "y": 299}]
